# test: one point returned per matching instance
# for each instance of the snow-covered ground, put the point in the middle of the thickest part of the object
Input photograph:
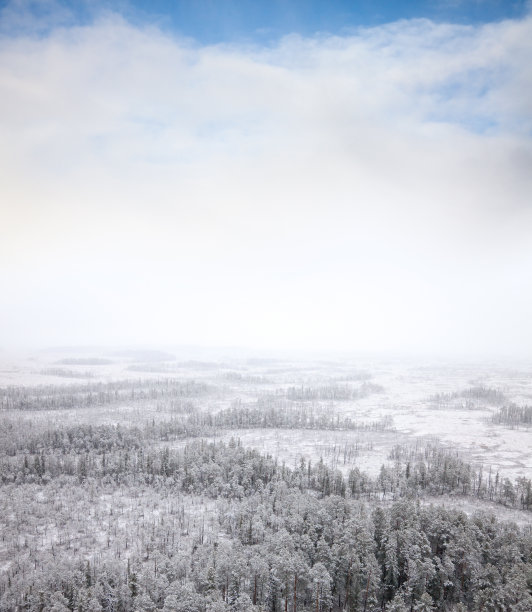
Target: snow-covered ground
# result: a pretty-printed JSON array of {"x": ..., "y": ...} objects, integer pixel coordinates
[{"x": 407, "y": 398}]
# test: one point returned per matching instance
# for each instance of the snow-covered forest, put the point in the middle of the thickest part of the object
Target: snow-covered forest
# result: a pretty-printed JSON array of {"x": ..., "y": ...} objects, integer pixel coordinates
[
  {"x": 138, "y": 481},
  {"x": 265, "y": 306}
]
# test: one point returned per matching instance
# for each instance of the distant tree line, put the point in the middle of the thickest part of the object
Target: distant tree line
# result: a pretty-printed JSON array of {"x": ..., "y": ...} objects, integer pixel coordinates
[
  {"x": 271, "y": 412},
  {"x": 86, "y": 361},
  {"x": 50, "y": 397},
  {"x": 64, "y": 373},
  {"x": 513, "y": 416},
  {"x": 330, "y": 392},
  {"x": 487, "y": 395}
]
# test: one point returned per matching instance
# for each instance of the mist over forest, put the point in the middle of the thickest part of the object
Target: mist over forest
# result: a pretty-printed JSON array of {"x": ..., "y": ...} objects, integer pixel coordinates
[{"x": 265, "y": 296}]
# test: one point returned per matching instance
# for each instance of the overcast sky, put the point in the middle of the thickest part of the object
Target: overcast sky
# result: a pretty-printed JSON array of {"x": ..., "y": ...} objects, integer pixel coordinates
[{"x": 365, "y": 186}]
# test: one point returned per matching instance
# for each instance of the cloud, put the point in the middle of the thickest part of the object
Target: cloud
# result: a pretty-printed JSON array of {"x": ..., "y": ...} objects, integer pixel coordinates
[{"x": 368, "y": 191}]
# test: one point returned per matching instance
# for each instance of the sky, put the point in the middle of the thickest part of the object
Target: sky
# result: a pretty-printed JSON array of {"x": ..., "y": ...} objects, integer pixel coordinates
[{"x": 350, "y": 176}]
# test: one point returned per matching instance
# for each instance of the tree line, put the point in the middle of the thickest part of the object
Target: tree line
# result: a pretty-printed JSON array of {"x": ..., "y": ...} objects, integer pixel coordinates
[
  {"x": 513, "y": 416},
  {"x": 91, "y": 394}
]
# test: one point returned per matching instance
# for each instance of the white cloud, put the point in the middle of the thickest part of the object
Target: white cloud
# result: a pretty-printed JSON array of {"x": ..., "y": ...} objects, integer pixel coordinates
[{"x": 369, "y": 191}]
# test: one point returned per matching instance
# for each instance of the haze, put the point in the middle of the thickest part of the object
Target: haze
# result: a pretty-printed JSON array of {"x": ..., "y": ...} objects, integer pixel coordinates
[{"x": 361, "y": 190}]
